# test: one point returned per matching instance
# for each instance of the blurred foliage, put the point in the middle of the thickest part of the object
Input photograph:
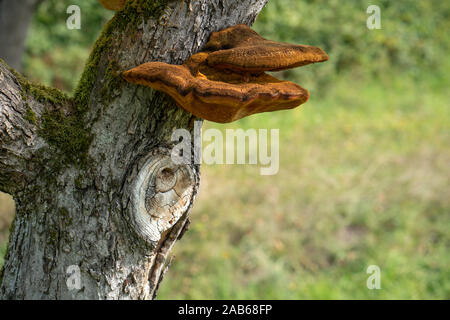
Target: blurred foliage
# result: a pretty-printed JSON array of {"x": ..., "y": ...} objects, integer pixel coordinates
[
  {"x": 56, "y": 55},
  {"x": 413, "y": 38},
  {"x": 364, "y": 179},
  {"x": 364, "y": 169}
]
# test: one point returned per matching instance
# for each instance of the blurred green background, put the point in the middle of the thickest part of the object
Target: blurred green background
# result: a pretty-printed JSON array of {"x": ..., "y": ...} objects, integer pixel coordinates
[{"x": 364, "y": 174}]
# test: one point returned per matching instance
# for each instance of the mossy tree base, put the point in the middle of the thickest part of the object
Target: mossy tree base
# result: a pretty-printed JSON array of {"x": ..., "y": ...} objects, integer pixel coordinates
[{"x": 71, "y": 162}]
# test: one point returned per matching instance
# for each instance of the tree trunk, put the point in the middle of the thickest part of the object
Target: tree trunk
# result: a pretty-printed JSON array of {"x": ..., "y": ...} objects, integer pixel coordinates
[
  {"x": 88, "y": 173},
  {"x": 15, "y": 17}
]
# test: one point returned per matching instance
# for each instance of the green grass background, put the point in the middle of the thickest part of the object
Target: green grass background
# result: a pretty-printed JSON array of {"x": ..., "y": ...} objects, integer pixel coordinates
[{"x": 364, "y": 165}]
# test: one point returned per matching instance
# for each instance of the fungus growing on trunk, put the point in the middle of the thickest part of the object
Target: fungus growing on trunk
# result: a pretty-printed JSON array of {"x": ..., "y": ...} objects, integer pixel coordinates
[
  {"x": 115, "y": 5},
  {"x": 241, "y": 49},
  {"x": 227, "y": 82}
]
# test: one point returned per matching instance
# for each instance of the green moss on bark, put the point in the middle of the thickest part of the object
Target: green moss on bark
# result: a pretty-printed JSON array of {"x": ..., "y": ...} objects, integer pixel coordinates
[
  {"x": 39, "y": 92},
  {"x": 30, "y": 116},
  {"x": 113, "y": 81},
  {"x": 67, "y": 219},
  {"x": 9, "y": 181},
  {"x": 68, "y": 134},
  {"x": 127, "y": 21},
  {"x": 66, "y": 130},
  {"x": 4, "y": 185},
  {"x": 43, "y": 94}
]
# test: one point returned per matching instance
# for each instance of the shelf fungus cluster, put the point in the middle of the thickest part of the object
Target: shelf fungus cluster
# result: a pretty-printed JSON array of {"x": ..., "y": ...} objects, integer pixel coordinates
[{"x": 227, "y": 81}]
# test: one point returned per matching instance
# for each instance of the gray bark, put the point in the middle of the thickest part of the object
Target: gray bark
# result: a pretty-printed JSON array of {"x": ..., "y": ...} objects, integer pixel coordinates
[
  {"x": 108, "y": 215},
  {"x": 15, "y": 18}
]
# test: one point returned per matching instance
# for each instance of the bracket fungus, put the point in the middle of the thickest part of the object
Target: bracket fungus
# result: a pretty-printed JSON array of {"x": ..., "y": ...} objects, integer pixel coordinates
[
  {"x": 115, "y": 5},
  {"x": 241, "y": 49},
  {"x": 227, "y": 81}
]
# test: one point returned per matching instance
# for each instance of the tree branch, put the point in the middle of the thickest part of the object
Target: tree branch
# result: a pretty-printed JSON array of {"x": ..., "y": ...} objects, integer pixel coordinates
[{"x": 18, "y": 132}]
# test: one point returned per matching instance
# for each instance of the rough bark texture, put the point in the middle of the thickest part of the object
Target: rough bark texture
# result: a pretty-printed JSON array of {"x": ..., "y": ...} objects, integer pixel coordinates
[
  {"x": 15, "y": 17},
  {"x": 91, "y": 175}
]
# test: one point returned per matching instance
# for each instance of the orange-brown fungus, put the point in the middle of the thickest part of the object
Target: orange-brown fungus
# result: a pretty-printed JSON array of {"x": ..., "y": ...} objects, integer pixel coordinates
[
  {"x": 241, "y": 49},
  {"x": 222, "y": 92},
  {"x": 115, "y": 5}
]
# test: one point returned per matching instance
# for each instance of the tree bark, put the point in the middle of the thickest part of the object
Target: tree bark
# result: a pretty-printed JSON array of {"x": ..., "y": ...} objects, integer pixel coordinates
[
  {"x": 15, "y": 18},
  {"x": 88, "y": 172}
]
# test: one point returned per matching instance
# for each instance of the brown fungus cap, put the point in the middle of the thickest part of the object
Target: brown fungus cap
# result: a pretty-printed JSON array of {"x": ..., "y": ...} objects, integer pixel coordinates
[
  {"x": 235, "y": 87},
  {"x": 115, "y": 5},
  {"x": 241, "y": 49},
  {"x": 209, "y": 94}
]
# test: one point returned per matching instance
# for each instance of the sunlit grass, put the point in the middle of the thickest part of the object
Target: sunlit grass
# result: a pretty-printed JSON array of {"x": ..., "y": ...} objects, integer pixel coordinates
[{"x": 363, "y": 180}]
